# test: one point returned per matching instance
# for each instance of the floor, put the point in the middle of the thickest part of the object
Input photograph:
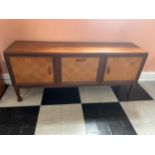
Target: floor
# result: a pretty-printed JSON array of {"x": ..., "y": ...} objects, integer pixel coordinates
[{"x": 96, "y": 110}]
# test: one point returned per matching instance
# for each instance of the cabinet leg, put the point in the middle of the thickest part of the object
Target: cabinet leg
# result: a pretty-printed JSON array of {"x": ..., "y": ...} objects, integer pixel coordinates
[
  {"x": 17, "y": 91},
  {"x": 132, "y": 89}
]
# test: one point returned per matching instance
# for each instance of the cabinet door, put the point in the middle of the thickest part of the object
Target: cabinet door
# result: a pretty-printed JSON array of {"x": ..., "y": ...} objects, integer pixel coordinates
[
  {"x": 79, "y": 69},
  {"x": 32, "y": 69},
  {"x": 122, "y": 68}
]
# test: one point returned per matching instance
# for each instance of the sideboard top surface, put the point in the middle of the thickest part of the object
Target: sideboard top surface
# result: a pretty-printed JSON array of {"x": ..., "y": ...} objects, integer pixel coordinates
[{"x": 38, "y": 47}]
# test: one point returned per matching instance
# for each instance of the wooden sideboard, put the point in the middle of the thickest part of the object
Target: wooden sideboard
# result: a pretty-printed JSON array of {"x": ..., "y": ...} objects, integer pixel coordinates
[{"x": 61, "y": 64}]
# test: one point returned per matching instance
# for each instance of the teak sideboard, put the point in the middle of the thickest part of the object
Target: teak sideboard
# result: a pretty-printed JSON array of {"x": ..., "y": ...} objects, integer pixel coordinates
[{"x": 61, "y": 64}]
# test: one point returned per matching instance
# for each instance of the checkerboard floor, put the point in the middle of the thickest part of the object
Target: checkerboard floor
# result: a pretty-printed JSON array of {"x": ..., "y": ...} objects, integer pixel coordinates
[{"x": 95, "y": 110}]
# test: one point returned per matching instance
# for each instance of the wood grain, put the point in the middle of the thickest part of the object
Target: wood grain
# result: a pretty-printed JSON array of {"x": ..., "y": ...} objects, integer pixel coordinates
[
  {"x": 77, "y": 69},
  {"x": 29, "y": 47},
  {"x": 32, "y": 69},
  {"x": 122, "y": 68}
]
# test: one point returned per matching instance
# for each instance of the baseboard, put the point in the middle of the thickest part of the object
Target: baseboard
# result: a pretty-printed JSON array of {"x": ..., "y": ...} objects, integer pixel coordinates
[
  {"x": 6, "y": 78},
  {"x": 145, "y": 76}
]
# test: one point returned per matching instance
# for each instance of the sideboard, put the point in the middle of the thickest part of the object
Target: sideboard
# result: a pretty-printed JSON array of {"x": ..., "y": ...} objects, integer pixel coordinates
[{"x": 67, "y": 64}]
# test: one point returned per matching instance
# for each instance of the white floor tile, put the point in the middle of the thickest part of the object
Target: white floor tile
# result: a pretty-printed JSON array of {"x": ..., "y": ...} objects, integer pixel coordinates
[
  {"x": 96, "y": 94},
  {"x": 142, "y": 116},
  {"x": 61, "y": 120},
  {"x": 31, "y": 97}
]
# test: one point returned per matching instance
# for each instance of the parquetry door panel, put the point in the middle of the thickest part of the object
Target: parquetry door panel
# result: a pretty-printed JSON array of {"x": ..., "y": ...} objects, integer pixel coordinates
[
  {"x": 122, "y": 68},
  {"x": 32, "y": 69},
  {"x": 79, "y": 69}
]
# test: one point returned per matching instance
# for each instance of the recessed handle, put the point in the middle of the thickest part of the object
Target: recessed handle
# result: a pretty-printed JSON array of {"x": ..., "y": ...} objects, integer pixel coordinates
[
  {"x": 80, "y": 59},
  {"x": 49, "y": 70},
  {"x": 108, "y": 70}
]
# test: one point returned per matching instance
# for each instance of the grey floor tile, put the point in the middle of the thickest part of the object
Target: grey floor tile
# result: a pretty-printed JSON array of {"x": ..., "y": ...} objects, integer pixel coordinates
[
  {"x": 97, "y": 94},
  {"x": 31, "y": 97},
  {"x": 60, "y": 120},
  {"x": 142, "y": 116}
]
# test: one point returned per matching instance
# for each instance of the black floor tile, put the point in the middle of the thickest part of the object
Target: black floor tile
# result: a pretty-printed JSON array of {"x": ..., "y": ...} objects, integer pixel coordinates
[
  {"x": 139, "y": 93},
  {"x": 18, "y": 120},
  {"x": 106, "y": 119},
  {"x": 60, "y": 96}
]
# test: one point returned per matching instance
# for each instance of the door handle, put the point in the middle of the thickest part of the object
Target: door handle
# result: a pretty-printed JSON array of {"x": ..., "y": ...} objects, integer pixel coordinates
[
  {"x": 49, "y": 70},
  {"x": 80, "y": 59},
  {"x": 108, "y": 70}
]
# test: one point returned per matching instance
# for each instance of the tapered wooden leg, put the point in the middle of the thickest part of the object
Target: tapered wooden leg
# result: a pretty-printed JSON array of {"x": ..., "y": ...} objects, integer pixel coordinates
[
  {"x": 17, "y": 91},
  {"x": 132, "y": 89}
]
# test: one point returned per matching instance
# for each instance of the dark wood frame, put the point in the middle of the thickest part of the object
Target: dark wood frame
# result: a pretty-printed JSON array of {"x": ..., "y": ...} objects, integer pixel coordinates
[{"x": 57, "y": 70}]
